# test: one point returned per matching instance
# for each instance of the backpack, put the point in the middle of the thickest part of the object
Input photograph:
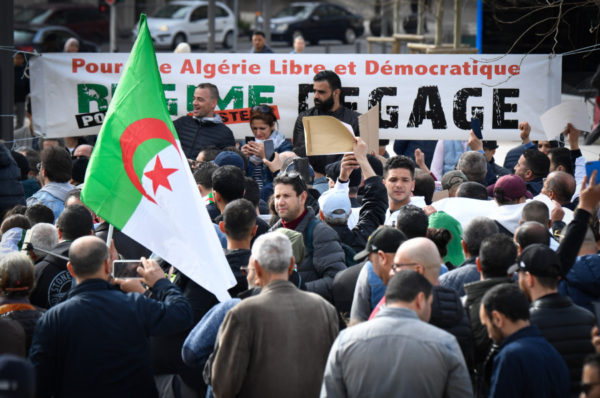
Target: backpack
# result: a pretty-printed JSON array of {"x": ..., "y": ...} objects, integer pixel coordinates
[{"x": 349, "y": 252}]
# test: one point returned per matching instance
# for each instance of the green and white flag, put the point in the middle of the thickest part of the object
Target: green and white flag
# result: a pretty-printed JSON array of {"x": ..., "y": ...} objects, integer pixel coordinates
[{"x": 139, "y": 180}]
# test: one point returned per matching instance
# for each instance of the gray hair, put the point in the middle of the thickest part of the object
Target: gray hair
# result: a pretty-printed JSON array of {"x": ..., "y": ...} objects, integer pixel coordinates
[
  {"x": 473, "y": 165},
  {"x": 476, "y": 231},
  {"x": 43, "y": 236},
  {"x": 273, "y": 251}
]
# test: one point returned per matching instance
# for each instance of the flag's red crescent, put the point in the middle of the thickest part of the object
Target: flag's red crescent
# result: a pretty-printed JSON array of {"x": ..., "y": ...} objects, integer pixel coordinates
[{"x": 134, "y": 135}]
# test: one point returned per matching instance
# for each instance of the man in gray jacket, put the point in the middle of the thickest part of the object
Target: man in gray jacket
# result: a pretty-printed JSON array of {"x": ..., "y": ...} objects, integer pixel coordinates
[
  {"x": 324, "y": 256},
  {"x": 398, "y": 354}
]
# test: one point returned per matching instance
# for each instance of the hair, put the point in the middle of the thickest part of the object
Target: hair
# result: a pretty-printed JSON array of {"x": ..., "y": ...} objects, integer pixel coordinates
[
  {"x": 42, "y": 140},
  {"x": 339, "y": 221},
  {"x": 268, "y": 117},
  {"x": 330, "y": 77},
  {"x": 75, "y": 221},
  {"x": 43, "y": 236},
  {"x": 535, "y": 211},
  {"x": 57, "y": 164},
  {"x": 273, "y": 251},
  {"x": 537, "y": 162},
  {"x": 441, "y": 237},
  {"x": 210, "y": 153},
  {"x": 15, "y": 210},
  {"x": 16, "y": 275},
  {"x": 239, "y": 217},
  {"x": 32, "y": 156},
  {"x": 412, "y": 221},
  {"x": 508, "y": 300},
  {"x": 531, "y": 232},
  {"x": 23, "y": 164},
  {"x": 562, "y": 157},
  {"x": 562, "y": 184},
  {"x": 290, "y": 179},
  {"x": 86, "y": 256},
  {"x": 548, "y": 282},
  {"x": 318, "y": 163},
  {"x": 228, "y": 181},
  {"x": 471, "y": 189},
  {"x": 424, "y": 185},
  {"x": 15, "y": 221},
  {"x": 39, "y": 213},
  {"x": 474, "y": 165},
  {"x": 251, "y": 191},
  {"x": 214, "y": 91},
  {"x": 476, "y": 231},
  {"x": 593, "y": 360},
  {"x": 259, "y": 33},
  {"x": 399, "y": 162},
  {"x": 497, "y": 253},
  {"x": 203, "y": 174},
  {"x": 73, "y": 193},
  {"x": 404, "y": 286}
]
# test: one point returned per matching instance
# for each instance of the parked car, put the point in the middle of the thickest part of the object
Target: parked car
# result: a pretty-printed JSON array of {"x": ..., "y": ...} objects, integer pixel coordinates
[
  {"x": 316, "y": 21},
  {"x": 85, "y": 20},
  {"x": 186, "y": 21},
  {"x": 44, "y": 39}
]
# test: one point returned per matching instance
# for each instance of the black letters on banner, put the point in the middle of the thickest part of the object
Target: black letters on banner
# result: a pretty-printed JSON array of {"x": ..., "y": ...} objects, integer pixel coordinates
[
  {"x": 375, "y": 98},
  {"x": 459, "y": 113},
  {"x": 500, "y": 108},
  {"x": 435, "y": 112}
]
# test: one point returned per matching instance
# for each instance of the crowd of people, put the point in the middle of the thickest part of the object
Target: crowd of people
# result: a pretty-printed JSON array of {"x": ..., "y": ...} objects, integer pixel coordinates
[{"x": 353, "y": 277}]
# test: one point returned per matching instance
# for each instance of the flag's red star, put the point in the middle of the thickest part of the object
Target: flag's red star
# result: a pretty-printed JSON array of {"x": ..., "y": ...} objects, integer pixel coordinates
[{"x": 159, "y": 176}]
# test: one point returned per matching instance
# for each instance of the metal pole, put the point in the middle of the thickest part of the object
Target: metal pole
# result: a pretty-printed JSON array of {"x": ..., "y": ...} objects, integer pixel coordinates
[
  {"x": 396, "y": 19},
  {"x": 267, "y": 19},
  {"x": 211, "y": 27},
  {"x": 420, "y": 16},
  {"x": 113, "y": 29},
  {"x": 7, "y": 73},
  {"x": 457, "y": 22},
  {"x": 236, "y": 12}
]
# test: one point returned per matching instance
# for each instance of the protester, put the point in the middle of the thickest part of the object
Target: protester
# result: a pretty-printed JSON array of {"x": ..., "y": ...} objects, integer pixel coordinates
[
  {"x": 71, "y": 45},
  {"x": 533, "y": 166},
  {"x": 299, "y": 44},
  {"x": 259, "y": 43},
  {"x": 590, "y": 377},
  {"x": 399, "y": 180},
  {"x": 11, "y": 190}
]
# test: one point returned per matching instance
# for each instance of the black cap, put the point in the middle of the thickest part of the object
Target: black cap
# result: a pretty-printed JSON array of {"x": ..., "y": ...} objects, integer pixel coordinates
[
  {"x": 385, "y": 238},
  {"x": 490, "y": 144},
  {"x": 538, "y": 260}
]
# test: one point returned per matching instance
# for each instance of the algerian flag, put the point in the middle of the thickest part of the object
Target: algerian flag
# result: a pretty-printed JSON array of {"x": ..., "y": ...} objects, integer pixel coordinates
[{"x": 138, "y": 178}]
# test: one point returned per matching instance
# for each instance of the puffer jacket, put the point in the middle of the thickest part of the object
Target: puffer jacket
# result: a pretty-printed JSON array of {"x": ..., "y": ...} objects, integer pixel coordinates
[
  {"x": 11, "y": 190},
  {"x": 567, "y": 327},
  {"x": 195, "y": 134},
  {"x": 321, "y": 262},
  {"x": 582, "y": 282}
]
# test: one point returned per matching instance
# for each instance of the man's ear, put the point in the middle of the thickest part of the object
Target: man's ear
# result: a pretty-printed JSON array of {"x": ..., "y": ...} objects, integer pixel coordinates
[
  {"x": 217, "y": 196},
  {"x": 292, "y": 266},
  {"x": 258, "y": 269},
  {"x": 303, "y": 197},
  {"x": 420, "y": 301},
  {"x": 561, "y": 168},
  {"x": 464, "y": 247},
  {"x": 478, "y": 262},
  {"x": 222, "y": 226},
  {"x": 497, "y": 319},
  {"x": 70, "y": 269},
  {"x": 321, "y": 216},
  {"x": 60, "y": 234},
  {"x": 253, "y": 231}
]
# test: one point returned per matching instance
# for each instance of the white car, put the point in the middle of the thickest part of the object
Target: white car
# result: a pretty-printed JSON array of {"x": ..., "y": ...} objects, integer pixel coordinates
[{"x": 186, "y": 21}]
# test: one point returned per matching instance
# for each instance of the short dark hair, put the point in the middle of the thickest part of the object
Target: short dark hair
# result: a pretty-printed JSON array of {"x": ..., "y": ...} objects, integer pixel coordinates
[
  {"x": 23, "y": 164},
  {"x": 228, "y": 181},
  {"x": 476, "y": 231},
  {"x": 14, "y": 221},
  {"x": 507, "y": 299},
  {"x": 562, "y": 184},
  {"x": 531, "y": 232},
  {"x": 16, "y": 209},
  {"x": 294, "y": 179},
  {"x": 412, "y": 221},
  {"x": 210, "y": 153},
  {"x": 318, "y": 163},
  {"x": 441, "y": 237},
  {"x": 399, "y": 162},
  {"x": 239, "y": 217},
  {"x": 73, "y": 193},
  {"x": 535, "y": 210},
  {"x": 471, "y": 189},
  {"x": 259, "y": 33},
  {"x": 562, "y": 157},
  {"x": 203, "y": 174},
  {"x": 330, "y": 77},
  {"x": 86, "y": 259},
  {"x": 32, "y": 156},
  {"x": 57, "y": 163},
  {"x": 424, "y": 185},
  {"x": 537, "y": 162},
  {"x": 497, "y": 253},
  {"x": 214, "y": 91},
  {"x": 592, "y": 360},
  {"x": 251, "y": 191},
  {"x": 406, "y": 285},
  {"x": 39, "y": 213},
  {"x": 74, "y": 222}
]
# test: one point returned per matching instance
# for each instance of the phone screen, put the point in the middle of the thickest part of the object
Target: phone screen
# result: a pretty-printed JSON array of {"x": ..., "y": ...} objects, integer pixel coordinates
[
  {"x": 269, "y": 149},
  {"x": 590, "y": 167},
  {"x": 249, "y": 138},
  {"x": 126, "y": 269},
  {"x": 476, "y": 127}
]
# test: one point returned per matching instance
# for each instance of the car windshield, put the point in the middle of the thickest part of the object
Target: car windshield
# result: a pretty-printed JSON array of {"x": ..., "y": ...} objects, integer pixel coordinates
[
  {"x": 172, "y": 11},
  {"x": 23, "y": 36},
  {"x": 33, "y": 16},
  {"x": 294, "y": 11}
]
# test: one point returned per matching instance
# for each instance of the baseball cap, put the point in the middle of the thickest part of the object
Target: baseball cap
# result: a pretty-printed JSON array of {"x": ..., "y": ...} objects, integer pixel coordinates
[
  {"x": 453, "y": 178},
  {"x": 511, "y": 186},
  {"x": 385, "y": 238},
  {"x": 335, "y": 203},
  {"x": 490, "y": 145},
  {"x": 539, "y": 260},
  {"x": 229, "y": 158}
]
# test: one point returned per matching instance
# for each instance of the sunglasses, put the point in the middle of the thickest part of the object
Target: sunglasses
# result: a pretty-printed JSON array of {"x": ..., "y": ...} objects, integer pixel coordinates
[{"x": 262, "y": 109}]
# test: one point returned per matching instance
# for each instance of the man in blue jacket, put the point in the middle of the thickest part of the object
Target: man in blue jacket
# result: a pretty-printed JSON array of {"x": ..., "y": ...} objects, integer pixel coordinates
[{"x": 96, "y": 343}]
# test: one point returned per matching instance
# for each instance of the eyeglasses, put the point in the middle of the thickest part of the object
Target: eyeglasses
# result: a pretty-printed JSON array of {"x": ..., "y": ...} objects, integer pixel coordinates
[
  {"x": 396, "y": 267},
  {"x": 294, "y": 175},
  {"x": 586, "y": 388},
  {"x": 245, "y": 270},
  {"x": 262, "y": 108}
]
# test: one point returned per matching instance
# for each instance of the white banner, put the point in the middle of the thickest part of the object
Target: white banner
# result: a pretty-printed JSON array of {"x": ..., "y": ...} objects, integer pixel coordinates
[{"x": 421, "y": 96}]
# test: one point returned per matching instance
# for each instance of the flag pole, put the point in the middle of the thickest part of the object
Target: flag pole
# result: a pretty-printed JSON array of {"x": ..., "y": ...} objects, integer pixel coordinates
[{"x": 109, "y": 235}]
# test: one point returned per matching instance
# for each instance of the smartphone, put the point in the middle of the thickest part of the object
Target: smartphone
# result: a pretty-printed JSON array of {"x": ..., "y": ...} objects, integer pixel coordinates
[
  {"x": 301, "y": 167},
  {"x": 476, "y": 127},
  {"x": 591, "y": 166},
  {"x": 249, "y": 138},
  {"x": 126, "y": 269},
  {"x": 269, "y": 149}
]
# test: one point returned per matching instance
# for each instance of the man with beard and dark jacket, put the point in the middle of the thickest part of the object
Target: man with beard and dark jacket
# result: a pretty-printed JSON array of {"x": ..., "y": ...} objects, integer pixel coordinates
[
  {"x": 52, "y": 279},
  {"x": 328, "y": 99},
  {"x": 565, "y": 325},
  {"x": 204, "y": 128},
  {"x": 497, "y": 253}
]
